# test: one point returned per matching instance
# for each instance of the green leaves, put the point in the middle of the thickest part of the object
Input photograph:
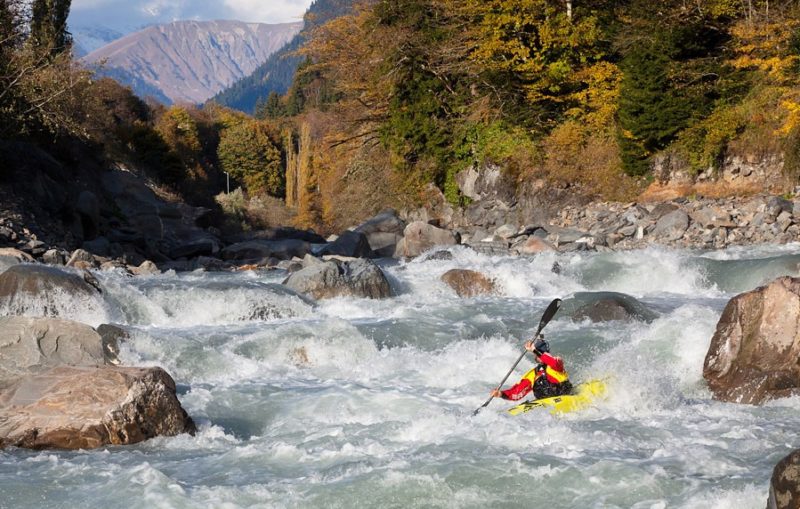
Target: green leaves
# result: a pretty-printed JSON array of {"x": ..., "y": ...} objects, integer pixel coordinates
[{"x": 247, "y": 152}]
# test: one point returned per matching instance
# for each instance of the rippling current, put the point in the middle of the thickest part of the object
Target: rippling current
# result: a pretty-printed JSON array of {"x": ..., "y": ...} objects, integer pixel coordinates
[{"x": 362, "y": 403}]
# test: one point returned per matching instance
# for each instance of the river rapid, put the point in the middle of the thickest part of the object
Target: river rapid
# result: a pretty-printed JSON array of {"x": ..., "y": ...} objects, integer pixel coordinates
[{"x": 366, "y": 403}]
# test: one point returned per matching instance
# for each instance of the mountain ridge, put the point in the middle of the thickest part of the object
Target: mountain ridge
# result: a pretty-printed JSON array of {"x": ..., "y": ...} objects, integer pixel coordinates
[{"x": 189, "y": 61}]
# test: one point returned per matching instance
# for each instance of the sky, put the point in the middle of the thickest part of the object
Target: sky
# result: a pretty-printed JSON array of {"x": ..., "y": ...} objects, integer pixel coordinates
[{"x": 129, "y": 15}]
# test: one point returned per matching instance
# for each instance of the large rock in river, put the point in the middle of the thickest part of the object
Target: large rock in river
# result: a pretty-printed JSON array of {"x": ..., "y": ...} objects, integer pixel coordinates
[
  {"x": 84, "y": 408},
  {"x": 419, "y": 237},
  {"x": 383, "y": 232},
  {"x": 40, "y": 290},
  {"x": 755, "y": 350},
  {"x": 608, "y": 306},
  {"x": 352, "y": 244},
  {"x": 31, "y": 345},
  {"x": 784, "y": 487},
  {"x": 356, "y": 278},
  {"x": 468, "y": 283}
]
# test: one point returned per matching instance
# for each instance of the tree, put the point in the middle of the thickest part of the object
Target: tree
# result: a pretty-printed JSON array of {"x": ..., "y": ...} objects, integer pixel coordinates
[
  {"x": 48, "y": 26},
  {"x": 248, "y": 153},
  {"x": 272, "y": 108}
]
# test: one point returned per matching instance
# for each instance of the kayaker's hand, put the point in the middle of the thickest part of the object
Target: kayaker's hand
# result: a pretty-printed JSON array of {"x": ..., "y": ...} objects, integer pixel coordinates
[
  {"x": 496, "y": 393},
  {"x": 529, "y": 346}
]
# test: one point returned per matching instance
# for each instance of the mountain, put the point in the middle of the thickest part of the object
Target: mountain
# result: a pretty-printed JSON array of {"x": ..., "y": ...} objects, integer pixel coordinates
[
  {"x": 89, "y": 38},
  {"x": 277, "y": 73},
  {"x": 189, "y": 61}
]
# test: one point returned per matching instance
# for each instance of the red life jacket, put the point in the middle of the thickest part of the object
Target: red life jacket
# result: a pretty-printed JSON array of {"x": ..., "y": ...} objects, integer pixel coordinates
[{"x": 553, "y": 370}]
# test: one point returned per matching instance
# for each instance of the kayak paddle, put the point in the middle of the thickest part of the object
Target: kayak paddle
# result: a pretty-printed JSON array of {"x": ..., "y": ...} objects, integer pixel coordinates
[{"x": 548, "y": 315}]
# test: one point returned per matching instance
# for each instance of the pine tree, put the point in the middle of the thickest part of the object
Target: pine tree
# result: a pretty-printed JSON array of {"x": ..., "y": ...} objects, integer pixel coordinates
[{"x": 49, "y": 26}]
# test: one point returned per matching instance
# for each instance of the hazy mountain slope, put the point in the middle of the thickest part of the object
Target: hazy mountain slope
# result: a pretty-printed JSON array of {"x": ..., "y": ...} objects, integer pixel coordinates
[
  {"x": 277, "y": 72},
  {"x": 90, "y": 38},
  {"x": 190, "y": 61}
]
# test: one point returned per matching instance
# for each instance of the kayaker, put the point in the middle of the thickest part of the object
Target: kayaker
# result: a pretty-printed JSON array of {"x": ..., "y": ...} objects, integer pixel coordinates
[{"x": 548, "y": 378}]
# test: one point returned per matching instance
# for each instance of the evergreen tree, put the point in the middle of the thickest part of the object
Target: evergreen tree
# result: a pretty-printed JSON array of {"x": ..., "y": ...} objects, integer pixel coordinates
[{"x": 49, "y": 26}]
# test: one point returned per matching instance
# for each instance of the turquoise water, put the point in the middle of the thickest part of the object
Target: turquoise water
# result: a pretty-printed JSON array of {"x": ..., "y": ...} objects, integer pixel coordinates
[{"x": 361, "y": 403}]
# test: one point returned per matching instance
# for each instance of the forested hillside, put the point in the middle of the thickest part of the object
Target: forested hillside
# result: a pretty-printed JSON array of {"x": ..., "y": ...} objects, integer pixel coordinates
[
  {"x": 394, "y": 99},
  {"x": 276, "y": 74},
  {"x": 404, "y": 93}
]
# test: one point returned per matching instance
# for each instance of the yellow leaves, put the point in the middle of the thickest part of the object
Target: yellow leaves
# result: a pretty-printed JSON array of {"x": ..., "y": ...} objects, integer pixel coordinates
[
  {"x": 764, "y": 46},
  {"x": 791, "y": 105},
  {"x": 597, "y": 101}
]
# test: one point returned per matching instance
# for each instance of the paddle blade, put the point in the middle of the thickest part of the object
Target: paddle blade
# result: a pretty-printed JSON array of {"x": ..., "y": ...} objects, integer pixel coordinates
[{"x": 548, "y": 314}]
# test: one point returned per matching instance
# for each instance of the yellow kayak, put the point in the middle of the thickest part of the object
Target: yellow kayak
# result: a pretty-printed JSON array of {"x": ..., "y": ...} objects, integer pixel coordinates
[{"x": 583, "y": 396}]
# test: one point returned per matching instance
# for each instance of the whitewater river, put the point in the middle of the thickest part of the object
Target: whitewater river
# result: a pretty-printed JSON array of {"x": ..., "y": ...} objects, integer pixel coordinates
[{"x": 362, "y": 403}]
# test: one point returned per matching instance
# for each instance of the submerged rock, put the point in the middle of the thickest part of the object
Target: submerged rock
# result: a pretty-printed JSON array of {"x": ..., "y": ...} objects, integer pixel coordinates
[
  {"x": 356, "y": 278},
  {"x": 468, "y": 283},
  {"x": 784, "y": 486},
  {"x": 85, "y": 408},
  {"x": 754, "y": 351},
  {"x": 45, "y": 290},
  {"x": 30, "y": 345},
  {"x": 608, "y": 306}
]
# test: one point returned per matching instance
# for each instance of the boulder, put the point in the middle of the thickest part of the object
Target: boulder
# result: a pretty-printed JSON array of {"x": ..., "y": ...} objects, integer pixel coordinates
[
  {"x": 754, "y": 352},
  {"x": 10, "y": 256},
  {"x": 672, "y": 226},
  {"x": 383, "y": 232},
  {"x": 561, "y": 236},
  {"x": 350, "y": 243},
  {"x": 30, "y": 345},
  {"x": 609, "y": 306},
  {"x": 54, "y": 257},
  {"x": 46, "y": 291},
  {"x": 146, "y": 268},
  {"x": 204, "y": 246},
  {"x": 85, "y": 408},
  {"x": 468, "y": 283},
  {"x": 419, "y": 237},
  {"x": 357, "y": 278},
  {"x": 259, "y": 249},
  {"x": 784, "y": 486},
  {"x": 443, "y": 255},
  {"x": 112, "y": 336},
  {"x": 534, "y": 245},
  {"x": 709, "y": 217},
  {"x": 81, "y": 255}
]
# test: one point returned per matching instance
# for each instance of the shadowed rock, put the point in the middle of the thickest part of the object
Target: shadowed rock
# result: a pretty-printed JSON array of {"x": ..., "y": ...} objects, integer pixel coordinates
[
  {"x": 260, "y": 249},
  {"x": 85, "y": 408},
  {"x": 784, "y": 486},
  {"x": 383, "y": 232},
  {"x": 608, "y": 306},
  {"x": 356, "y": 278},
  {"x": 351, "y": 244},
  {"x": 30, "y": 345},
  {"x": 754, "y": 352},
  {"x": 468, "y": 283}
]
